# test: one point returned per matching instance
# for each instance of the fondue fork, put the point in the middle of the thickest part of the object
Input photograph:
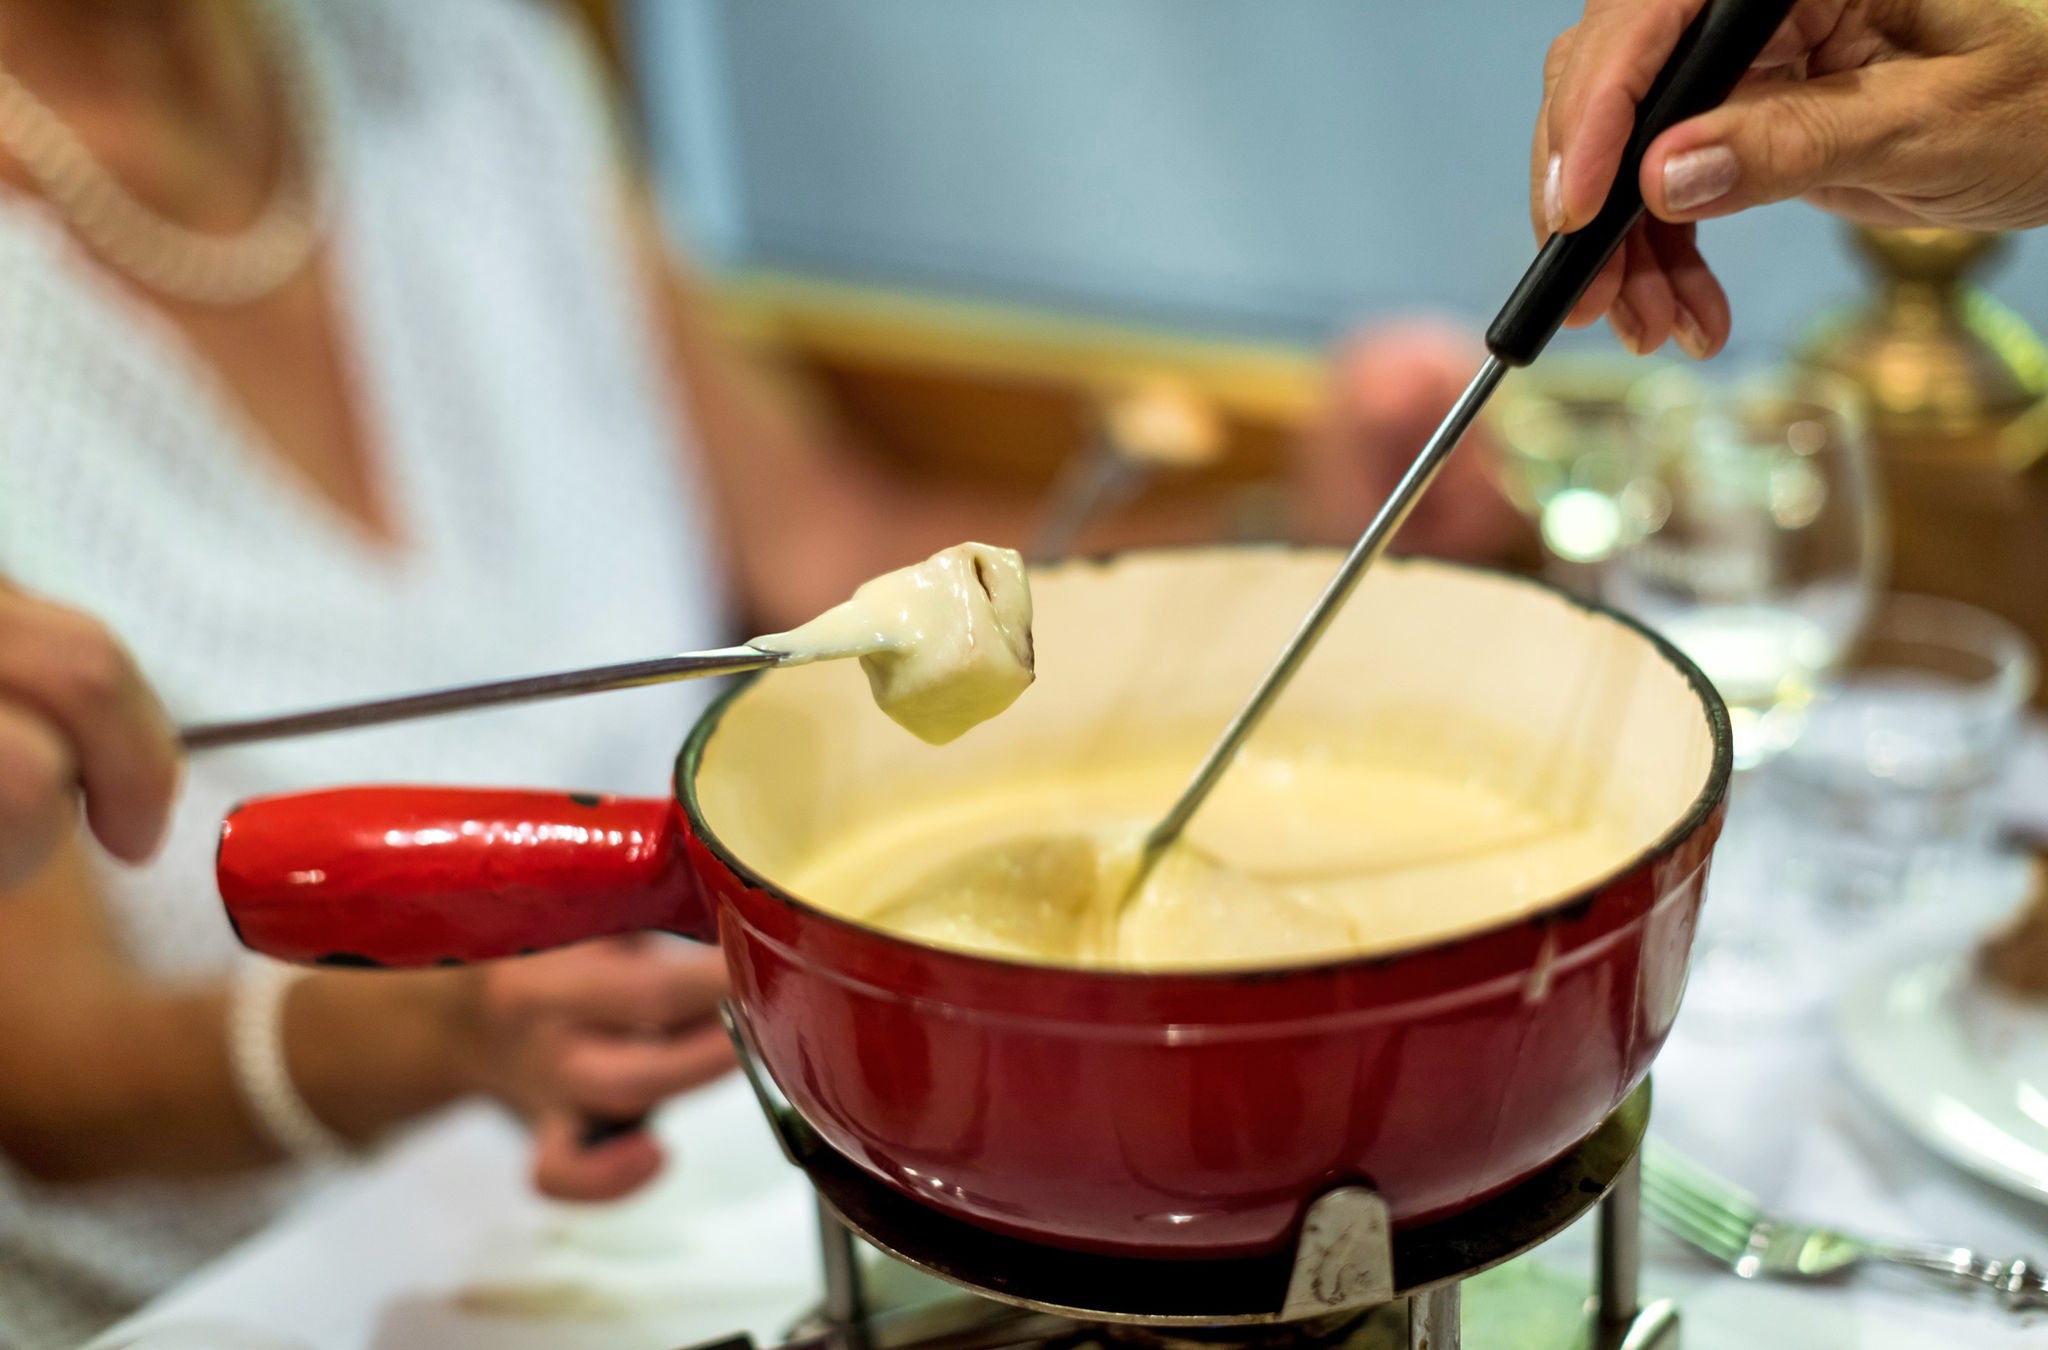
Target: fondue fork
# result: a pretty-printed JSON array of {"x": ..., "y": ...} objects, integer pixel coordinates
[
  {"x": 1152, "y": 427},
  {"x": 463, "y": 698},
  {"x": 1704, "y": 67}
]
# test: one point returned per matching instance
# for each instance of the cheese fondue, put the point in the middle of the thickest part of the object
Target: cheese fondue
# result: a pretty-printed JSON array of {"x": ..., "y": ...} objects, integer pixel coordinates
[
  {"x": 1296, "y": 858},
  {"x": 946, "y": 644}
]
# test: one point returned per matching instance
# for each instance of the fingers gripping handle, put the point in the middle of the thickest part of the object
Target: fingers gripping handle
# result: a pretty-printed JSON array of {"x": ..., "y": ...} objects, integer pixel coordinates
[
  {"x": 1710, "y": 58},
  {"x": 409, "y": 877}
]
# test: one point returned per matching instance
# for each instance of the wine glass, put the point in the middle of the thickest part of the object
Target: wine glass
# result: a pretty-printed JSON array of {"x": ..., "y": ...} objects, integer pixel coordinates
[
  {"x": 1892, "y": 789},
  {"x": 1756, "y": 548},
  {"x": 1564, "y": 426},
  {"x": 1755, "y": 541}
]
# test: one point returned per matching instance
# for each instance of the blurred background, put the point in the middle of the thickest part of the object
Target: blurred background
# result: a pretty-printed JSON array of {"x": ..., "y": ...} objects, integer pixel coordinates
[
  {"x": 1236, "y": 169},
  {"x": 970, "y": 228}
]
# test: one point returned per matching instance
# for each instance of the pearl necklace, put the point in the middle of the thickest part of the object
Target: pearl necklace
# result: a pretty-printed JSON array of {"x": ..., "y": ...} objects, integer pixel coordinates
[{"x": 183, "y": 264}]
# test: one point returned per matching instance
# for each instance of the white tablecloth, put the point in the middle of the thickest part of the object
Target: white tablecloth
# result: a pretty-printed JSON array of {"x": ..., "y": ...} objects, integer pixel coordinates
[{"x": 437, "y": 1244}]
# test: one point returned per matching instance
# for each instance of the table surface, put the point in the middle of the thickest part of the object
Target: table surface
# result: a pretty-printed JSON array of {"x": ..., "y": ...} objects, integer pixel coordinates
[{"x": 437, "y": 1243}]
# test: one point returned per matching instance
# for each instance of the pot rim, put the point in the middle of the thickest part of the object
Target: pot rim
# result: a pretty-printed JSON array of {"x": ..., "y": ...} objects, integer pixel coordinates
[{"x": 689, "y": 760}]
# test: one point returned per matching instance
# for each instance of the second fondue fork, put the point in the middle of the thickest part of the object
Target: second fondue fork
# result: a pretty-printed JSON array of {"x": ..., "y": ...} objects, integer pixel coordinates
[
  {"x": 1709, "y": 59},
  {"x": 462, "y": 698}
]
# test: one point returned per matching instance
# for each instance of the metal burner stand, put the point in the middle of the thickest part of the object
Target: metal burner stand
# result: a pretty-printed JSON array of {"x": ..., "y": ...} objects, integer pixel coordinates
[{"x": 1347, "y": 1268}]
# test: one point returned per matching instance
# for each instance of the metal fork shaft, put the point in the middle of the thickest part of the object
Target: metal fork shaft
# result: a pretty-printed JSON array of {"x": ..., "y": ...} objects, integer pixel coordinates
[
  {"x": 1363, "y": 554},
  {"x": 463, "y": 698},
  {"x": 1100, "y": 478},
  {"x": 2017, "y": 1281}
]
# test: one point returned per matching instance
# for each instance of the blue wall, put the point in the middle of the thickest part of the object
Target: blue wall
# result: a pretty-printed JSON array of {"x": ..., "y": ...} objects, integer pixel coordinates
[{"x": 1255, "y": 166}]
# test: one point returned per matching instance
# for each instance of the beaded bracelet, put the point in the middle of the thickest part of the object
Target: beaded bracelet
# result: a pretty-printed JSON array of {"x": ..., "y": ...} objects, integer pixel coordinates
[{"x": 256, "y": 1055}]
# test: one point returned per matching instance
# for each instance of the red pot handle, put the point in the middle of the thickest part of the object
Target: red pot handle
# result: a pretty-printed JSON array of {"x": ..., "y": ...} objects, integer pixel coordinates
[{"x": 409, "y": 876}]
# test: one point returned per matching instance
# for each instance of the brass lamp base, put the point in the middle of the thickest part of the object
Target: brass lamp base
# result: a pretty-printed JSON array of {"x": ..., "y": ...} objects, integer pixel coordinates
[{"x": 1952, "y": 375}]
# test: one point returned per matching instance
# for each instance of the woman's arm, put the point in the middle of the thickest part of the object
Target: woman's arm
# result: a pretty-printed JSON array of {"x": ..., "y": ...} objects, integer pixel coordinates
[{"x": 103, "y": 1073}]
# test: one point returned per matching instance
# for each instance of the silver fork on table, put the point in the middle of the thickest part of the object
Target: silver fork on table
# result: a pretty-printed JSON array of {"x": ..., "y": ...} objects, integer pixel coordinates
[{"x": 1727, "y": 1224}]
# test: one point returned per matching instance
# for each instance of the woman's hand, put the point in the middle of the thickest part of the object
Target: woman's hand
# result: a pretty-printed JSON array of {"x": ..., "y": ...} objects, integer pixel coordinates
[
  {"x": 1389, "y": 387},
  {"x": 607, "y": 1029},
  {"x": 76, "y": 714},
  {"x": 1886, "y": 112}
]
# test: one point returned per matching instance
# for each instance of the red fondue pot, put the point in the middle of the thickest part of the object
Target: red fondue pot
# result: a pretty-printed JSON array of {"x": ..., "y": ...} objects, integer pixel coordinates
[{"x": 1135, "y": 1113}]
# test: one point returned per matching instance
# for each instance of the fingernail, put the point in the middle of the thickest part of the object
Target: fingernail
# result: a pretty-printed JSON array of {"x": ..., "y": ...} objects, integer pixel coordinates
[
  {"x": 1692, "y": 340},
  {"x": 1626, "y": 326},
  {"x": 1553, "y": 194},
  {"x": 1697, "y": 177}
]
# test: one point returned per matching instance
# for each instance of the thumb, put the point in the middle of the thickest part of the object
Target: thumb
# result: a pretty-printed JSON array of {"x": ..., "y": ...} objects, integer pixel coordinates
[{"x": 1778, "y": 138}]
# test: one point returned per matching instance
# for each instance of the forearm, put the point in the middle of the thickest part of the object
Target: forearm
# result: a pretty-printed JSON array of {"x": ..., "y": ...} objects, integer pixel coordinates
[
  {"x": 369, "y": 1050},
  {"x": 137, "y": 1082},
  {"x": 106, "y": 1082}
]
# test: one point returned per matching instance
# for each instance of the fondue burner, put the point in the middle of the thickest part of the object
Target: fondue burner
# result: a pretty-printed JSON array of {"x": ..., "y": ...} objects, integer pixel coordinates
[{"x": 1349, "y": 1284}]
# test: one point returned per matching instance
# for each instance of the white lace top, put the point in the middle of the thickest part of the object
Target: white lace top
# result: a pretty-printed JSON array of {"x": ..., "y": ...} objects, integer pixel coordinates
[{"x": 505, "y": 371}]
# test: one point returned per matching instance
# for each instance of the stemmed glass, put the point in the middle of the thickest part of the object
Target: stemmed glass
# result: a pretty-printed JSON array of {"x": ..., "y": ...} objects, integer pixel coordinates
[
  {"x": 1756, "y": 546},
  {"x": 1565, "y": 430}
]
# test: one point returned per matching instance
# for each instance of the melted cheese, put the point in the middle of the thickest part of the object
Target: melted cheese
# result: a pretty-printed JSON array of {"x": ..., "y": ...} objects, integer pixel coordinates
[
  {"x": 946, "y": 644},
  {"x": 1292, "y": 860}
]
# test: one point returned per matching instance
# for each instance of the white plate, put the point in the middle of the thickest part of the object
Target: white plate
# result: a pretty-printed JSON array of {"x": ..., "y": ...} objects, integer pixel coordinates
[{"x": 1962, "y": 1066}]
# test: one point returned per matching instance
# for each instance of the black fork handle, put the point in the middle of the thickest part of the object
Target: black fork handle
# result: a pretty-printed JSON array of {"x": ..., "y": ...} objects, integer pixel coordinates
[{"x": 1710, "y": 58}]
